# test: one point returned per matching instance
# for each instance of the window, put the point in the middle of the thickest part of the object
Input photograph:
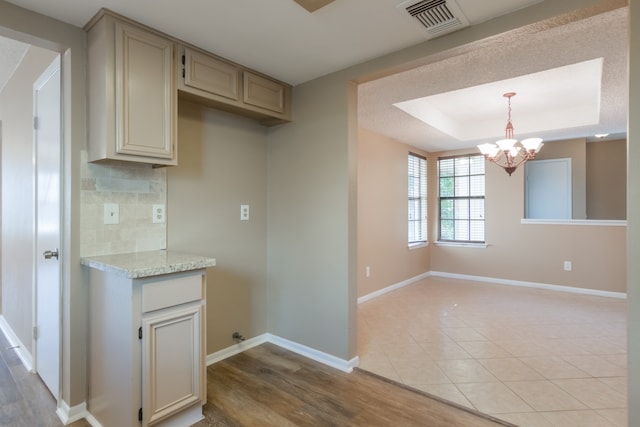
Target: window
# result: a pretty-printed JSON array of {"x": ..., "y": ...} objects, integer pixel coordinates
[
  {"x": 417, "y": 199},
  {"x": 461, "y": 198}
]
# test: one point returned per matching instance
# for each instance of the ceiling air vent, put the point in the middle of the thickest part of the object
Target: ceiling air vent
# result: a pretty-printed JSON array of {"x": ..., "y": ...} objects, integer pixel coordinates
[{"x": 437, "y": 17}]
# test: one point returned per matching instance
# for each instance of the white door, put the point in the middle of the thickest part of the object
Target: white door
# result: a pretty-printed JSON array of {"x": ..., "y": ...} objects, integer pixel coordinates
[
  {"x": 47, "y": 131},
  {"x": 548, "y": 189}
]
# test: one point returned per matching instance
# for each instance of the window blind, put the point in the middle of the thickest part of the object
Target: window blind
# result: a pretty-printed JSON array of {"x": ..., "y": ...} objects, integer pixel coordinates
[
  {"x": 461, "y": 197},
  {"x": 417, "y": 191}
]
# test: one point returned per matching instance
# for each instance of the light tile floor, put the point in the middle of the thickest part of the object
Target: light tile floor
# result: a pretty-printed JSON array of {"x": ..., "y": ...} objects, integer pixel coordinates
[{"x": 533, "y": 357}]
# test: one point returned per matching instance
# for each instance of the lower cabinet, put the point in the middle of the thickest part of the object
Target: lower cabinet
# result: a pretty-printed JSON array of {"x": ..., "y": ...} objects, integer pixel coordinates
[
  {"x": 171, "y": 376},
  {"x": 147, "y": 349}
]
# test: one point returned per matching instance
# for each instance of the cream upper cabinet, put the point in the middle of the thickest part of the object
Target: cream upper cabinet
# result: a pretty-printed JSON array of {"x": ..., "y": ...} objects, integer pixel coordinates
[
  {"x": 210, "y": 75},
  {"x": 213, "y": 81},
  {"x": 135, "y": 75},
  {"x": 264, "y": 93},
  {"x": 132, "y": 92}
]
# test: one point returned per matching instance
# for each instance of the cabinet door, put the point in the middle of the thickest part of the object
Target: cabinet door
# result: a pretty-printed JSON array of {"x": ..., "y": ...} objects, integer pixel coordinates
[
  {"x": 173, "y": 365},
  {"x": 145, "y": 93},
  {"x": 211, "y": 75},
  {"x": 263, "y": 93}
]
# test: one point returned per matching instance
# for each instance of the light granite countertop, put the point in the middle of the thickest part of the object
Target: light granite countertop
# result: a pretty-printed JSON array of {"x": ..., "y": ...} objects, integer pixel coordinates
[{"x": 146, "y": 264}]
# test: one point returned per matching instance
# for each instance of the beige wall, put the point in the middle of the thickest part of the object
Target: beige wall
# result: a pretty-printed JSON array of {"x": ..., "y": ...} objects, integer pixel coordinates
[
  {"x": 607, "y": 180},
  {"x": 18, "y": 180},
  {"x": 532, "y": 252},
  {"x": 382, "y": 214},
  {"x": 223, "y": 164}
]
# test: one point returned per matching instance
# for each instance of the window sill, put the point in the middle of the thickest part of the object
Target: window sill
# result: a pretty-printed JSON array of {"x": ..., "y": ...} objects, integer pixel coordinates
[
  {"x": 600, "y": 222},
  {"x": 463, "y": 245},
  {"x": 413, "y": 246}
]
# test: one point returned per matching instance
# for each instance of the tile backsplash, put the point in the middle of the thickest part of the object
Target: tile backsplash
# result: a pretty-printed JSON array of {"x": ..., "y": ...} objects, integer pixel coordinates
[{"x": 135, "y": 188}]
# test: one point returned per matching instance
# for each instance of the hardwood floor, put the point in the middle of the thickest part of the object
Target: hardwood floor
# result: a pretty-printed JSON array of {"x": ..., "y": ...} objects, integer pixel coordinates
[
  {"x": 263, "y": 386},
  {"x": 270, "y": 386},
  {"x": 24, "y": 399}
]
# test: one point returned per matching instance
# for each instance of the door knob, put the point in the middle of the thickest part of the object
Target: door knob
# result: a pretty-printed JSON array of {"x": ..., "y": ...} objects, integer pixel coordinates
[{"x": 51, "y": 254}]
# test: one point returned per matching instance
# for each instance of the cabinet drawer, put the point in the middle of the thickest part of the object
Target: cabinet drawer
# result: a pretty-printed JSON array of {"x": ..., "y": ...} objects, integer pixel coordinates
[
  {"x": 171, "y": 292},
  {"x": 210, "y": 75}
]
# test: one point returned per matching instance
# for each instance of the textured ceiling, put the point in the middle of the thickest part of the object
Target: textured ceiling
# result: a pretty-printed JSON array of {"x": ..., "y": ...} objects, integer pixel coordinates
[
  {"x": 601, "y": 36},
  {"x": 11, "y": 53}
]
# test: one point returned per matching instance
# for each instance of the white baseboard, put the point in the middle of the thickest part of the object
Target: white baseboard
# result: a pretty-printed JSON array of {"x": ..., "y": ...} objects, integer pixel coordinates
[
  {"x": 235, "y": 349},
  {"x": 91, "y": 420},
  {"x": 308, "y": 352},
  {"x": 393, "y": 287},
  {"x": 561, "y": 288},
  {"x": 16, "y": 344},
  {"x": 313, "y": 354},
  {"x": 69, "y": 414}
]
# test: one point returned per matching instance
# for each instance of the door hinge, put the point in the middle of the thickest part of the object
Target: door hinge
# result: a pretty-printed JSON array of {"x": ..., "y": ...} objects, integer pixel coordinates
[
  {"x": 140, "y": 414},
  {"x": 140, "y": 333},
  {"x": 35, "y": 122},
  {"x": 35, "y": 332}
]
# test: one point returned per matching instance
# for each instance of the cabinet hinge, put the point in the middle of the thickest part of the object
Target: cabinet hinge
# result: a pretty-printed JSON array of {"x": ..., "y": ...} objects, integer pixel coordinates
[
  {"x": 140, "y": 414},
  {"x": 35, "y": 332},
  {"x": 140, "y": 333},
  {"x": 184, "y": 60}
]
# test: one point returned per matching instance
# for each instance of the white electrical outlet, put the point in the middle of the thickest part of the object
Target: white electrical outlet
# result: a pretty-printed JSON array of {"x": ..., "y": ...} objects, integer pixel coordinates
[
  {"x": 111, "y": 213},
  {"x": 159, "y": 216},
  {"x": 367, "y": 271},
  {"x": 567, "y": 266},
  {"x": 244, "y": 212}
]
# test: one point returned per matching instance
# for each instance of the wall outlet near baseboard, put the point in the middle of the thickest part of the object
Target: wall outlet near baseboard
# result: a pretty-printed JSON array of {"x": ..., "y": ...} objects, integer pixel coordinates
[{"x": 567, "y": 266}]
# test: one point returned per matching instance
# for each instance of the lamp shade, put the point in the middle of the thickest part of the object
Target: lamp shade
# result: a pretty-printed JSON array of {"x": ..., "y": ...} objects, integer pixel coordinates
[
  {"x": 506, "y": 144},
  {"x": 532, "y": 144}
]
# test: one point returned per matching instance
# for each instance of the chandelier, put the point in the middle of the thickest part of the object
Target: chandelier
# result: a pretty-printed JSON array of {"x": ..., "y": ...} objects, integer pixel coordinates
[{"x": 509, "y": 153}]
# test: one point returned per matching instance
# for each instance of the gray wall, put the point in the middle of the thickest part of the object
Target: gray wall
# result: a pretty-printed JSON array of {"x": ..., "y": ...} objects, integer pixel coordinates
[
  {"x": 68, "y": 40},
  {"x": 311, "y": 220},
  {"x": 18, "y": 181},
  {"x": 223, "y": 164}
]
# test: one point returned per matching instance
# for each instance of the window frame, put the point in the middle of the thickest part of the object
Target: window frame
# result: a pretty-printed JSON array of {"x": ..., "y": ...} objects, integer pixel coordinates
[
  {"x": 470, "y": 220},
  {"x": 422, "y": 234}
]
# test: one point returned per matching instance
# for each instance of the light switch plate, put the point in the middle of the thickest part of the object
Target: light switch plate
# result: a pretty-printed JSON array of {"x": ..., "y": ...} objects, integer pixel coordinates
[{"x": 111, "y": 213}]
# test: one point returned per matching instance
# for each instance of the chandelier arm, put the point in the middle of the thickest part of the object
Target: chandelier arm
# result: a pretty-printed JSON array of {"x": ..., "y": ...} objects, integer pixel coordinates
[{"x": 506, "y": 162}]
